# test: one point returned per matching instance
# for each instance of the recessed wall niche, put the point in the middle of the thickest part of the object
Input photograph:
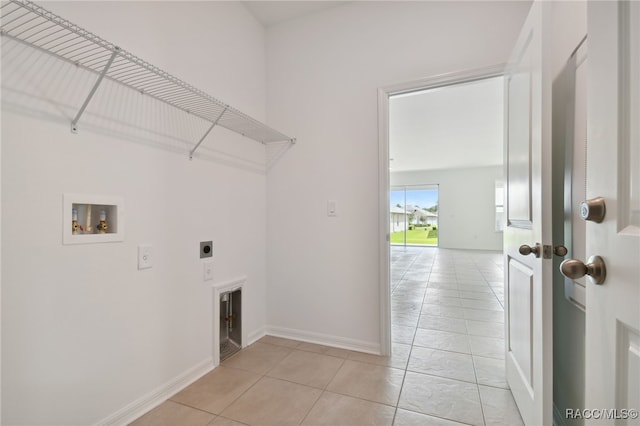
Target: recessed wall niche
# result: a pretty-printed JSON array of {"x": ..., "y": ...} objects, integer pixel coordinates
[{"x": 89, "y": 219}]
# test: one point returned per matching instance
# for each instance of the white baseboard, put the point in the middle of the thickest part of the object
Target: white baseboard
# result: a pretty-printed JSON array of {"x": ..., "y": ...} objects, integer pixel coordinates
[
  {"x": 256, "y": 335},
  {"x": 159, "y": 395},
  {"x": 324, "y": 339}
]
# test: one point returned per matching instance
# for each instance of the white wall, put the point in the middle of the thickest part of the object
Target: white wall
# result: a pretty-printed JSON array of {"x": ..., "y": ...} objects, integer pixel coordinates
[
  {"x": 323, "y": 74},
  {"x": 1, "y": 253},
  {"x": 84, "y": 333},
  {"x": 466, "y": 205}
]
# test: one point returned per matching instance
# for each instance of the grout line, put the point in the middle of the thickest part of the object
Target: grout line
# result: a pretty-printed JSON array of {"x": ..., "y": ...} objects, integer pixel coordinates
[
  {"x": 455, "y": 379},
  {"x": 436, "y": 416},
  {"x": 312, "y": 406},
  {"x": 184, "y": 405},
  {"x": 395, "y": 413},
  {"x": 293, "y": 383},
  {"x": 484, "y": 419},
  {"x": 404, "y": 376},
  {"x": 334, "y": 375},
  {"x": 361, "y": 398},
  {"x": 226, "y": 418},
  {"x": 377, "y": 365}
]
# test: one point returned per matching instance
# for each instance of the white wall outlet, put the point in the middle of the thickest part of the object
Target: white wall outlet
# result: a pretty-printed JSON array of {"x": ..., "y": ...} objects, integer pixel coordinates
[
  {"x": 145, "y": 256},
  {"x": 207, "y": 271},
  {"x": 332, "y": 208}
]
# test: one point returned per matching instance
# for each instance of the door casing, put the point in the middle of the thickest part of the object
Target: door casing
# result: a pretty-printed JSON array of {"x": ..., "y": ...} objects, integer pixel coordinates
[{"x": 384, "y": 186}]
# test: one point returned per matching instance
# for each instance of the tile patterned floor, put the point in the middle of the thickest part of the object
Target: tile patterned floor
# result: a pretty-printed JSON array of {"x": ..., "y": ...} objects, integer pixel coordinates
[{"x": 447, "y": 366}]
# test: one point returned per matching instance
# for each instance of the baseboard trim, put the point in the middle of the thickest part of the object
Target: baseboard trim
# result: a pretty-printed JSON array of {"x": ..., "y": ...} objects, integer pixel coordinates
[
  {"x": 147, "y": 402},
  {"x": 256, "y": 335},
  {"x": 324, "y": 339}
]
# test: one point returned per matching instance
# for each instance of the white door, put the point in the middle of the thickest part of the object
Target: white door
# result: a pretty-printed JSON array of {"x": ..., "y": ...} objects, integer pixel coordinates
[
  {"x": 613, "y": 172},
  {"x": 528, "y": 277}
]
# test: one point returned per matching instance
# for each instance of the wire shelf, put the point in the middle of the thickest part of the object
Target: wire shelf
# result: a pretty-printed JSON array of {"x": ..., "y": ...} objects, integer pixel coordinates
[{"x": 35, "y": 26}]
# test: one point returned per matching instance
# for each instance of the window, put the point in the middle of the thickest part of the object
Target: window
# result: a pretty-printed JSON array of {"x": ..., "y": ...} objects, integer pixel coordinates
[{"x": 414, "y": 215}]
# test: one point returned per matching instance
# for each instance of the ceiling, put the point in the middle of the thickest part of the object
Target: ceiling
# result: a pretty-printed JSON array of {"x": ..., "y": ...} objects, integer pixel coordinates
[
  {"x": 451, "y": 127},
  {"x": 274, "y": 12}
]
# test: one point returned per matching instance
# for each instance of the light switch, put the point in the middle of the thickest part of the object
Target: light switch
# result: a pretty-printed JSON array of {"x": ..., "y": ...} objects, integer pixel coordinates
[
  {"x": 145, "y": 256},
  {"x": 207, "y": 270},
  {"x": 332, "y": 208}
]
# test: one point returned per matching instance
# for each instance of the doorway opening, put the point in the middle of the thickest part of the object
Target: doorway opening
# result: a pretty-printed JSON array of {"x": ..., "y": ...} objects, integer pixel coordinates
[{"x": 443, "y": 135}]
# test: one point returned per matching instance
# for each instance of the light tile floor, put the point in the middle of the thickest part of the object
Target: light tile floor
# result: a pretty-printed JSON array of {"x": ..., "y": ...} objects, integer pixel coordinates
[{"x": 447, "y": 366}]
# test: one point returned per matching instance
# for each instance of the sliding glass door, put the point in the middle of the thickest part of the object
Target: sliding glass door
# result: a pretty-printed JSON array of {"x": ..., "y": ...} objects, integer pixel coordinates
[{"x": 413, "y": 215}]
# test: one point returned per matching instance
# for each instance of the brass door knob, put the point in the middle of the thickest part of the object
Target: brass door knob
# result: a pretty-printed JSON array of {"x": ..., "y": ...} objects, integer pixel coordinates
[
  {"x": 526, "y": 250},
  {"x": 595, "y": 268},
  {"x": 560, "y": 251}
]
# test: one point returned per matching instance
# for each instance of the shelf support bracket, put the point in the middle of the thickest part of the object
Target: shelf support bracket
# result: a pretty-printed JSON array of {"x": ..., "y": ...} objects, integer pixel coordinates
[
  {"x": 74, "y": 123},
  {"x": 207, "y": 133}
]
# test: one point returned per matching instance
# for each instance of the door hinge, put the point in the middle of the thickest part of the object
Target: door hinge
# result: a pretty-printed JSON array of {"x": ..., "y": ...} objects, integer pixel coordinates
[{"x": 547, "y": 252}]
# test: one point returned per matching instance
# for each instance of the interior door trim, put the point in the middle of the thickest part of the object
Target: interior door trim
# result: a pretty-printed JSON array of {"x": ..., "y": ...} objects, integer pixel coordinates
[{"x": 384, "y": 93}]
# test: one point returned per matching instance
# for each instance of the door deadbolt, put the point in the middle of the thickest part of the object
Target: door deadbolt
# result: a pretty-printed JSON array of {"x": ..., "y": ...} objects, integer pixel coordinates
[
  {"x": 593, "y": 210},
  {"x": 595, "y": 268}
]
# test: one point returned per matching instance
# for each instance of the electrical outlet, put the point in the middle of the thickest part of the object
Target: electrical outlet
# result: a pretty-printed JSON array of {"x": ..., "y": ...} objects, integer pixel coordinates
[
  {"x": 145, "y": 256},
  {"x": 206, "y": 249},
  {"x": 207, "y": 271}
]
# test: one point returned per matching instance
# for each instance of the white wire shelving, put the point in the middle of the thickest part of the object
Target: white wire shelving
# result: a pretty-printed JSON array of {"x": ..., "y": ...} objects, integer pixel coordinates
[{"x": 31, "y": 24}]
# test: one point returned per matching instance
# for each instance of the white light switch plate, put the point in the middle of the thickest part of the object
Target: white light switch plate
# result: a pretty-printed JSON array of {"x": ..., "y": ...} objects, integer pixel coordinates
[
  {"x": 207, "y": 271},
  {"x": 145, "y": 256},
  {"x": 332, "y": 208}
]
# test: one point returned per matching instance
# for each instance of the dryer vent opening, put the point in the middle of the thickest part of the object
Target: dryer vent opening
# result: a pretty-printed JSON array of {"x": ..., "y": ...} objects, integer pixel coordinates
[{"x": 230, "y": 323}]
